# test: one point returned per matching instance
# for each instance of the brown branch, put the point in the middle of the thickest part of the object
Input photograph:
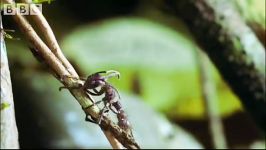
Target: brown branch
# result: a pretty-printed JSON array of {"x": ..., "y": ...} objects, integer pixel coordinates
[
  {"x": 113, "y": 141},
  {"x": 111, "y": 130},
  {"x": 51, "y": 41}
]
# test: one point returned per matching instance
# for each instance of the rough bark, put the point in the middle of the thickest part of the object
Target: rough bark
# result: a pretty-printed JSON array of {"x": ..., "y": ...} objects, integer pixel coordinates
[
  {"x": 231, "y": 45},
  {"x": 9, "y": 133}
]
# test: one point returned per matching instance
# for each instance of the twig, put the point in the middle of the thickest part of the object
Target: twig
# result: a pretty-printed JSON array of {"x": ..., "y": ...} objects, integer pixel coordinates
[
  {"x": 113, "y": 141},
  {"x": 111, "y": 130},
  {"x": 51, "y": 41},
  {"x": 210, "y": 100}
]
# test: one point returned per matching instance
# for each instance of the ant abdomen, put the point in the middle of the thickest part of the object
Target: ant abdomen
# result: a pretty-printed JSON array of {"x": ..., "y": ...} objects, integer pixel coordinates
[{"x": 122, "y": 120}]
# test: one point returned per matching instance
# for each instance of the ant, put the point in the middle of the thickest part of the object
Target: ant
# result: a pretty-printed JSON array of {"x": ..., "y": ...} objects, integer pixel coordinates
[{"x": 110, "y": 102}]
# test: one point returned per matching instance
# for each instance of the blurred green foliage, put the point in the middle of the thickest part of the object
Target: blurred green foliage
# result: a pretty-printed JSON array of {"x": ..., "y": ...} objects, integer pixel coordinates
[{"x": 155, "y": 61}]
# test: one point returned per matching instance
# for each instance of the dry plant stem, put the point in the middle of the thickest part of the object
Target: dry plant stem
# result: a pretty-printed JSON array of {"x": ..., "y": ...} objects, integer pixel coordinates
[
  {"x": 111, "y": 130},
  {"x": 38, "y": 44},
  {"x": 210, "y": 100},
  {"x": 51, "y": 41},
  {"x": 131, "y": 144},
  {"x": 113, "y": 141}
]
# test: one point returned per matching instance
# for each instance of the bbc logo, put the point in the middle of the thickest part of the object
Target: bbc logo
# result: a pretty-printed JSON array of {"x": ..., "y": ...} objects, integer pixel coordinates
[{"x": 21, "y": 8}]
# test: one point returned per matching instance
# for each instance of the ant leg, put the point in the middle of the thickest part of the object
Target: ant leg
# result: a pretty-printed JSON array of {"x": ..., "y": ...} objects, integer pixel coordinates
[
  {"x": 71, "y": 88},
  {"x": 91, "y": 93},
  {"x": 111, "y": 107},
  {"x": 105, "y": 109},
  {"x": 100, "y": 72},
  {"x": 116, "y": 91},
  {"x": 98, "y": 102},
  {"x": 97, "y": 93},
  {"x": 89, "y": 119}
]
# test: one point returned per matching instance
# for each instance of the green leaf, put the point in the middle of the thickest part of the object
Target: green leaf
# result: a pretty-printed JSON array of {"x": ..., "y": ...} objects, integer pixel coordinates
[{"x": 130, "y": 43}]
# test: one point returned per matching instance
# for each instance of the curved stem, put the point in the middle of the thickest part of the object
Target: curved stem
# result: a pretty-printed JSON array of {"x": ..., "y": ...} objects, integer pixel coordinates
[{"x": 51, "y": 41}]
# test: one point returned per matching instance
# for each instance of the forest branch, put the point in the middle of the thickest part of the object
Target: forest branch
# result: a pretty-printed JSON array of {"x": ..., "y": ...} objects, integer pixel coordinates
[
  {"x": 231, "y": 45},
  {"x": 113, "y": 132},
  {"x": 51, "y": 41}
]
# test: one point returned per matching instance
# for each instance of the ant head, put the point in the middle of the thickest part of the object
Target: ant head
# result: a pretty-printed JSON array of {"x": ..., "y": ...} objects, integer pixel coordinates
[{"x": 95, "y": 80}]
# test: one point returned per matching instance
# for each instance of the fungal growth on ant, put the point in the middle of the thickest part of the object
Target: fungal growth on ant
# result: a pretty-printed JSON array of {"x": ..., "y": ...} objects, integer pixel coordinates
[{"x": 111, "y": 96}]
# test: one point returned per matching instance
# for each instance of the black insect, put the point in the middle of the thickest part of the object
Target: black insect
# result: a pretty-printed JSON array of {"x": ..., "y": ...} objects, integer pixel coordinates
[{"x": 111, "y": 96}]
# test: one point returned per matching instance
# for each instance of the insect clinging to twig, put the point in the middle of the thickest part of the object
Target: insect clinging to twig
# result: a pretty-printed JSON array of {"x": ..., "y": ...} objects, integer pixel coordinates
[{"x": 111, "y": 96}]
